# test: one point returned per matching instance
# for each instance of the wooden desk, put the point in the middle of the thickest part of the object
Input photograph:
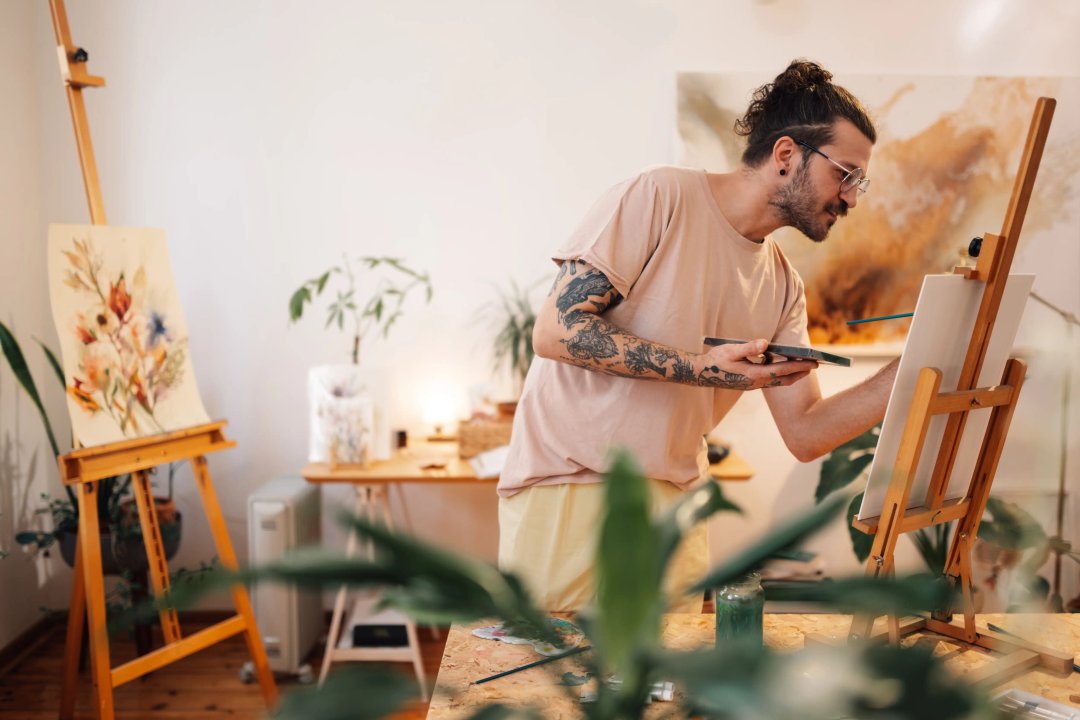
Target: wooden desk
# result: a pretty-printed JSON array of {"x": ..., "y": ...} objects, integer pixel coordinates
[
  {"x": 468, "y": 658},
  {"x": 438, "y": 462},
  {"x": 421, "y": 462}
]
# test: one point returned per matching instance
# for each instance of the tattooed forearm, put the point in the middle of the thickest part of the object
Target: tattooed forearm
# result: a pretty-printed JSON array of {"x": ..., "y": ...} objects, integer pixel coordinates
[
  {"x": 591, "y": 292},
  {"x": 682, "y": 371},
  {"x": 640, "y": 359},
  {"x": 715, "y": 377},
  {"x": 593, "y": 341},
  {"x": 602, "y": 347}
]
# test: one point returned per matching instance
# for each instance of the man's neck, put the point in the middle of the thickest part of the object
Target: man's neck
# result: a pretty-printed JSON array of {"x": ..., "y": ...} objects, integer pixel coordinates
[{"x": 744, "y": 200}]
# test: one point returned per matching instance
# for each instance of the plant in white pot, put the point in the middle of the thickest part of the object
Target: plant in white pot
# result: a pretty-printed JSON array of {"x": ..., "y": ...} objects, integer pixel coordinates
[{"x": 342, "y": 415}]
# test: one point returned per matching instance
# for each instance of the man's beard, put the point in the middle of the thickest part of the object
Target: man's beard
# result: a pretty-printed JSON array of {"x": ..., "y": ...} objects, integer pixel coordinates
[{"x": 795, "y": 203}]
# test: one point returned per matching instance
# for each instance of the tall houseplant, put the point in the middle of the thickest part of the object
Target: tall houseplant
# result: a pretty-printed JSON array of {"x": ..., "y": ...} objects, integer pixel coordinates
[{"x": 515, "y": 319}]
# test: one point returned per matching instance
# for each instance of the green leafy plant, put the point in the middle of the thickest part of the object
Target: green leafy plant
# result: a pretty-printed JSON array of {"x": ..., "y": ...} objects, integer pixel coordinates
[
  {"x": 515, "y": 318},
  {"x": 112, "y": 492},
  {"x": 731, "y": 680},
  {"x": 1009, "y": 526},
  {"x": 382, "y": 308}
]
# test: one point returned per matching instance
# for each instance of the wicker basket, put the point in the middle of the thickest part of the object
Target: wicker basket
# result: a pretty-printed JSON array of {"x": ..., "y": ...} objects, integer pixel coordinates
[{"x": 477, "y": 435}]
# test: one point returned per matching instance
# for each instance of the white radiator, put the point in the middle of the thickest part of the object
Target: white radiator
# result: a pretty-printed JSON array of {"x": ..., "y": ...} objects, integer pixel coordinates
[{"x": 283, "y": 515}]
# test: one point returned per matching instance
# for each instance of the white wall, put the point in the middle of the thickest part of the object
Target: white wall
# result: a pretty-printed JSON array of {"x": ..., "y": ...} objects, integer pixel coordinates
[
  {"x": 466, "y": 137},
  {"x": 27, "y": 583}
]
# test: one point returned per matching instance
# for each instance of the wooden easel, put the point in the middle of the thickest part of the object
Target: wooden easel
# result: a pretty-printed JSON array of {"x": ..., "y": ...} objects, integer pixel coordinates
[
  {"x": 992, "y": 268},
  {"x": 84, "y": 468}
]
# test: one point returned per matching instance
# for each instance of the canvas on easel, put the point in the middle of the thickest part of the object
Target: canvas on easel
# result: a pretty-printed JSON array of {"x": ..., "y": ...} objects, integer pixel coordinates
[
  {"x": 123, "y": 339},
  {"x": 940, "y": 330}
]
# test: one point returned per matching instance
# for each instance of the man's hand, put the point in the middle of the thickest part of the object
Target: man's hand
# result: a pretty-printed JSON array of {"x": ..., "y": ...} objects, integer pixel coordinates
[{"x": 741, "y": 367}]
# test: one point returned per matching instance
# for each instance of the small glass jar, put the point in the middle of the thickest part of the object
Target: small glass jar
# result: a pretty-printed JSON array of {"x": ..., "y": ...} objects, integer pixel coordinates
[{"x": 740, "y": 610}]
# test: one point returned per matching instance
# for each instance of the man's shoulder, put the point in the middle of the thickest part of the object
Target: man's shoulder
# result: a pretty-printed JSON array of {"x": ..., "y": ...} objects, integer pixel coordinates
[{"x": 666, "y": 175}]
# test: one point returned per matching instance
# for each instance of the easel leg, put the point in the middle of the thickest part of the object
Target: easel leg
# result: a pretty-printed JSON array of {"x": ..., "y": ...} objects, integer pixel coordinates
[
  {"x": 239, "y": 592},
  {"x": 90, "y": 546},
  {"x": 73, "y": 641},
  {"x": 155, "y": 553}
]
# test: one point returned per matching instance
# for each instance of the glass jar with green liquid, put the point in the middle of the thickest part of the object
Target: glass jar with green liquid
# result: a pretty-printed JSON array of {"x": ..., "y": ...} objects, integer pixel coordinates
[{"x": 740, "y": 610}]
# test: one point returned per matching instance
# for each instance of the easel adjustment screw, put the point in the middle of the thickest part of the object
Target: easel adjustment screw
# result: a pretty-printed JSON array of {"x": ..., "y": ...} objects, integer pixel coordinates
[
  {"x": 975, "y": 246},
  {"x": 80, "y": 55}
]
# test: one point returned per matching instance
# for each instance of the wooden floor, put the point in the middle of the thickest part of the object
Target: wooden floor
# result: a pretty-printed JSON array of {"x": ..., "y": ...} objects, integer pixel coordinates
[{"x": 205, "y": 685}]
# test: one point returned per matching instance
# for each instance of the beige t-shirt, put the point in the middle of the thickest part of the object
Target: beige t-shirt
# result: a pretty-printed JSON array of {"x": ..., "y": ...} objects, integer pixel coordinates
[{"x": 684, "y": 274}]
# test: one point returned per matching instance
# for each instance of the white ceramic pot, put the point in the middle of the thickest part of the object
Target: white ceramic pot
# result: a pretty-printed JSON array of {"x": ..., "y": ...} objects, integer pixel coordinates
[{"x": 342, "y": 416}]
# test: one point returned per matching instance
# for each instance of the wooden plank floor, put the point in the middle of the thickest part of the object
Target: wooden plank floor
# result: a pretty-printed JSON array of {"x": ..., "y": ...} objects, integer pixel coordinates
[{"x": 205, "y": 685}]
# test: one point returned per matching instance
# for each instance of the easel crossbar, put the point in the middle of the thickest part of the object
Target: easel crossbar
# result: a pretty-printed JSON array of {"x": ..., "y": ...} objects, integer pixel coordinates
[
  {"x": 919, "y": 517},
  {"x": 182, "y": 648},
  {"x": 91, "y": 464}
]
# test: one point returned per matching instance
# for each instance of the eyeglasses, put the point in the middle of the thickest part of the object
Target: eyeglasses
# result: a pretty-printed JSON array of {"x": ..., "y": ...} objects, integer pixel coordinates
[{"x": 852, "y": 178}]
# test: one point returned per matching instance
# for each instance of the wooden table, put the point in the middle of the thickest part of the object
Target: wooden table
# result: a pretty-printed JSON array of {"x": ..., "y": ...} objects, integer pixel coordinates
[
  {"x": 467, "y": 658},
  {"x": 438, "y": 462},
  {"x": 422, "y": 462}
]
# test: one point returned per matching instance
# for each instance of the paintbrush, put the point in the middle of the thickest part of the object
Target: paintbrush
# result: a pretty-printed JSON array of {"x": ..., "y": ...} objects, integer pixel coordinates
[
  {"x": 883, "y": 317},
  {"x": 541, "y": 661}
]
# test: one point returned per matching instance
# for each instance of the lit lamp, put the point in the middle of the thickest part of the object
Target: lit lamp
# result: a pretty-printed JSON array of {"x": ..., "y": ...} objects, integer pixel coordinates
[{"x": 439, "y": 411}]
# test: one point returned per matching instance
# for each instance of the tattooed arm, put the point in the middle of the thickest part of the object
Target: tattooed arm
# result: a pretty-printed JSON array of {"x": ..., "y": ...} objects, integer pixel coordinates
[{"x": 570, "y": 327}]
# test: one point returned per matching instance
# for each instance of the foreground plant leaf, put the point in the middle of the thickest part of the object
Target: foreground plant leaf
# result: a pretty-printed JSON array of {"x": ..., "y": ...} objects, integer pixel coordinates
[
  {"x": 899, "y": 596},
  {"x": 790, "y": 533},
  {"x": 350, "y": 693},
  {"x": 629, "y": 598}
]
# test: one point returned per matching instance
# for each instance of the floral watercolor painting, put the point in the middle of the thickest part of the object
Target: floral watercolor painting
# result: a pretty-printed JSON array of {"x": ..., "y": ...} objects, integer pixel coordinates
[
  {"x": 122, "y": 335},
  {"x": 942, "y": 172}
]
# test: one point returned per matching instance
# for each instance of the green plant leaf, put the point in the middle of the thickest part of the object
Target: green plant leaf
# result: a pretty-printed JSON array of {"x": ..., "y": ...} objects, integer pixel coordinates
[
  {"x": 844, "y": 464},
  {"x": 629, "y": 596},
  {"x": 692, "y": 508},
  {"x": 790, "y": 533},
  {"x": 54, "y": 362},
  {"x": 350, "y": 694},
  {"x": 320, "y": 284},
  {"x": 17, "y": 363},
  {"x": 897, "y": 596},
  {"x": 1010, "y": 526},
  {"x": 861, "y": 543},
  {"x": 27, "y": 537},
  {"x": 296, "y": 303}
]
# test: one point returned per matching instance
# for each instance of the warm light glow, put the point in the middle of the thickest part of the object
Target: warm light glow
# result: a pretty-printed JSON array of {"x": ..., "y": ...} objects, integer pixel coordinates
[{"x": 440, "y": 409}]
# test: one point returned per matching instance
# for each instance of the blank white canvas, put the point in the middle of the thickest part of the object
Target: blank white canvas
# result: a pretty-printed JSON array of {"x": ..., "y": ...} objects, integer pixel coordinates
[{"x": 939, "y": 337}]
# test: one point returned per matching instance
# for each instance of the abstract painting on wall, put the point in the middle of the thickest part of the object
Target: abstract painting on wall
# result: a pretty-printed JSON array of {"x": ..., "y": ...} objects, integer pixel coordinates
[
  {"x": 123, "y": 339},
  {"x": 942, "y": 172}
]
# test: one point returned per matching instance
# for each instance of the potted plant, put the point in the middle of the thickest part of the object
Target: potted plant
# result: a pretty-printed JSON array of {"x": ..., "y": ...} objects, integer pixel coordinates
[
  {"x": 514, "y": 318},
  {"x": 342, "y": 416},
  {"x": 382, "y": 308},
  {"x": 121, "y": 535}
]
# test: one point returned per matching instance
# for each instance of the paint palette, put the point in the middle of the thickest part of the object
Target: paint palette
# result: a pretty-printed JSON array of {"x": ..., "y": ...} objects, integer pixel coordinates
[{"x": 782, "y": 353}]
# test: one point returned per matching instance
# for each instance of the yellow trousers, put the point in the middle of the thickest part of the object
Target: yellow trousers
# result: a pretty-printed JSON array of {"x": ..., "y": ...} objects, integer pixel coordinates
[{"x": 548, "y": 535}]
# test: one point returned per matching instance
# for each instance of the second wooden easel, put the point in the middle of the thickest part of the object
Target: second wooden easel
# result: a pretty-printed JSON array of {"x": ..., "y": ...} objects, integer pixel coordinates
[
  {"x": 83, "y": 469},
  {"x": 994, "y": 261}
]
